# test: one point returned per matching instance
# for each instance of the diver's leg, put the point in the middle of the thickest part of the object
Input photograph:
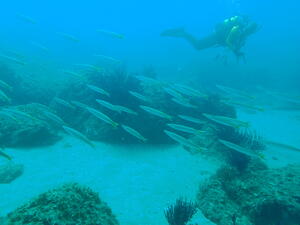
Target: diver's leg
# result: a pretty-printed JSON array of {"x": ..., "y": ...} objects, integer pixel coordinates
[
  {"x": 203, "y": 43},
  {"x": 198, "y": 44}
]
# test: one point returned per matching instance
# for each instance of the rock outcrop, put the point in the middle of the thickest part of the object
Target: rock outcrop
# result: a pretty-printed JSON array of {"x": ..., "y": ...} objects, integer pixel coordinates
[
  {"x": 69, "y": 204},
  {"x": 255, "y": 197}
]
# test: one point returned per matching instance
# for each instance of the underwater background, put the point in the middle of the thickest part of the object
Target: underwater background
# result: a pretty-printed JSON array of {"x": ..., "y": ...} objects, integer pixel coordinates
[{"x": 108, "y": 117}]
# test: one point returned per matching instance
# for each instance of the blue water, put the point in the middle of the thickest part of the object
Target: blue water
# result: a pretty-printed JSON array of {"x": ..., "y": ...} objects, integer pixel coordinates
[
  {"x": 271, "y": 52},
  {"x": 270, "y": 72}
]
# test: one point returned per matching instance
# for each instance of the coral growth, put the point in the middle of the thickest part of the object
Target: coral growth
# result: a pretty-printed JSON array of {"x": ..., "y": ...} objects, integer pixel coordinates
[
  {"x": 66, "y": 205},
  {"x": 258, "y": 196}
]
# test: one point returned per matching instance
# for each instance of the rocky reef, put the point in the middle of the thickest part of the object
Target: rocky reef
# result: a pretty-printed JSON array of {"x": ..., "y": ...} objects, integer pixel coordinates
[
  {"x": 65, "y": 205},
  {"x": 119, "y": 83},
  {"x": 257, "y": 196},
  {"x": 9, "y": 172}
]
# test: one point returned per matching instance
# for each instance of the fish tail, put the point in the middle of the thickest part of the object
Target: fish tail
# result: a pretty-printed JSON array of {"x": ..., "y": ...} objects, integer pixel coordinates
[
  {"x": 200, "y": 132},
  {"x": 114, "y": 124}
]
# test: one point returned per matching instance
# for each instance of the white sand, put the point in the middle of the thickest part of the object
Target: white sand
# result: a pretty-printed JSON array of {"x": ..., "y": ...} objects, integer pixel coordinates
[{"x": 136, "y": 182}]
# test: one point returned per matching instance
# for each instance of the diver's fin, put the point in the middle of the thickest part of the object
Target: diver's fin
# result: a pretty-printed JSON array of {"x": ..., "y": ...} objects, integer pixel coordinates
[{"x": 177, "y": 32}]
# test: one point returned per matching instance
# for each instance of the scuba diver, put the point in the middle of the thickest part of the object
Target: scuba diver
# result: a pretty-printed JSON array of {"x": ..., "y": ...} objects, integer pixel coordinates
[{"x": 231, "y": 33}]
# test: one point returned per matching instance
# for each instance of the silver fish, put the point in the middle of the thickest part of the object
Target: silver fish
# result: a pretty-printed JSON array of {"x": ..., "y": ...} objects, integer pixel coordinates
[
  {"x": 173, "y": 93},
  {"x": 79, "y": 104},
  {"x": 183, "y": 89},
  {"x": 5, "y": 155},
  {"x": 72, "y": 73},
  {"x": 54, "y": 117},
  {"x": 9, "y": 115},
  {"x": 40, "y": 46},
  {"x": 185, "y": 129},
  {"x": 63, "y": 102},
  {"x": 125, "y": 109},
  {"x": 98, "y": 90},
  {"x": 5, "y": 85},
  {"x": 15, "y": 54},
  {"x": 102, "y": 116},
  {"x": 4, "y": 97},
  {"x": 69, "y": 37},
  {"x": 192, "y": 119},
  {"x": 227, "y": 121},
  {"x": 139, "y": 96},
  {"x": 26, "y": 19},
  {"x": 110, "y": 33},
  {"x": 235, "y": 92},
  {"x": 17, "y": 113},
  {"x": 244, "y": 105},
  {"x": 134, "y": 133},
  {"x": 78, "y": 135},
  {"x": 239, "y": 148},
  {"x": 107, "y": 105},
  {"x": 149, "y": 80},
  {"x": 89, "y": 66},
  {"x": 156, "y": 112},
  {"x": 108, "y": 58},
  {"x": 183, "y": 102},
  {"x": 13, "y": 60},
  {"x": 185, "y": 142},
  {"x": 282, "y": 145},
  {"x": 42, "y": 106}
]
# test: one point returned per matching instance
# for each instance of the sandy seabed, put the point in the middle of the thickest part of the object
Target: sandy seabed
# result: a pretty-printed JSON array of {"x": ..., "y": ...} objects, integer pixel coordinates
[{"x": 137, "y": 182}]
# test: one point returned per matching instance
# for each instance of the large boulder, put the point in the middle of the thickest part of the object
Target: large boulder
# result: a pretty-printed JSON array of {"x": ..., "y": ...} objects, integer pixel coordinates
[
  {"x": 28, "y": 130},
  {"x": 70, "y": 204},
  {"x": 254, "y": 197}
]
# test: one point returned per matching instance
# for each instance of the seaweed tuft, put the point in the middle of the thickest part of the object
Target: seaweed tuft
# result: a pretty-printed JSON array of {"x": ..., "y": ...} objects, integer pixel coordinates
[{"x": 181, "y": 212}]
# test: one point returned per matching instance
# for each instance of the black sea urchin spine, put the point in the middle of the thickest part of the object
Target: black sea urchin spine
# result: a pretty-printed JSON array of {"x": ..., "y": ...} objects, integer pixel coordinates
[{"x": 181, "y": 212}]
